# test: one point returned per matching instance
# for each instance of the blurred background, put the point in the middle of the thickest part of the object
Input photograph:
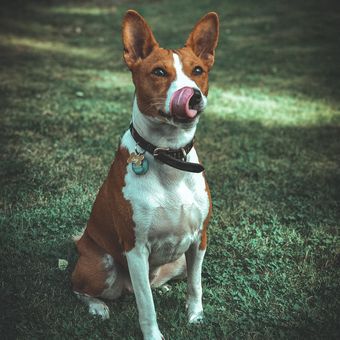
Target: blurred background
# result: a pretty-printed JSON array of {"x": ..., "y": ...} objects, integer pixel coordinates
[{"x": 269, "y": 141}]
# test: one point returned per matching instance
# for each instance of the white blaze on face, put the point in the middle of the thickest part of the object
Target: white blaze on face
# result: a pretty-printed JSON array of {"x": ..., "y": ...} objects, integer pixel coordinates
[{"x": 180, "y": 81}]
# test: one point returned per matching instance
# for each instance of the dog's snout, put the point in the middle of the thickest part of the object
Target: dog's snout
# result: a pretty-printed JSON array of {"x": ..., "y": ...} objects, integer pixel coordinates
[{"x": 196, "y": 98}]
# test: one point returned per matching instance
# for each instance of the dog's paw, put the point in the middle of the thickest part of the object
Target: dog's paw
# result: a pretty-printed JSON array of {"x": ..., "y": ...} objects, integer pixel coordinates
[
  {"x": 164, "y": 289},
  {"x": 99, "y": 309},
  {"x": 195, "y": 311},
  {"x": 196, "y": 318}
]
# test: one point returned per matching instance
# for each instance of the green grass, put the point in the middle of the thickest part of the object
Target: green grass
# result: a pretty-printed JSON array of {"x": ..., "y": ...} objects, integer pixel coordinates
[{"x": 269, "y": 141}]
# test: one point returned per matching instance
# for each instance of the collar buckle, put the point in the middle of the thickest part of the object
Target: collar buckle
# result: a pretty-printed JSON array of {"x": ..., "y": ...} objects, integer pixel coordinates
[
  {"x": 184, "y": 158},
  {"x": 157, "y": 151}
]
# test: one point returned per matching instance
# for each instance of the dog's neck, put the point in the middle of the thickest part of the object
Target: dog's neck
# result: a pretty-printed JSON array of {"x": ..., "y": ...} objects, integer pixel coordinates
[{"x": 159, "y": 133}]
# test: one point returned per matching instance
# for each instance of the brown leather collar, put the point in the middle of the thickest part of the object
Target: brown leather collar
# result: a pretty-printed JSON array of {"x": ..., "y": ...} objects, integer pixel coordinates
[{"x": 172, "y": 157}]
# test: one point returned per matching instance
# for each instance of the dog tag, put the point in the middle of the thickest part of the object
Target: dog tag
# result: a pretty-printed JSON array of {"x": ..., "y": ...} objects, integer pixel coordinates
[
  {"x": 139, "y": 163},
  {"x": 136, "y": 158},
  {"x": 141, "y": 169}
]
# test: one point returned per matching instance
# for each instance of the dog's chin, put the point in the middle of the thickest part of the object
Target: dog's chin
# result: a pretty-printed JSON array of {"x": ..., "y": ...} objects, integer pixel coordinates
[{"x": 182, "y": 122}]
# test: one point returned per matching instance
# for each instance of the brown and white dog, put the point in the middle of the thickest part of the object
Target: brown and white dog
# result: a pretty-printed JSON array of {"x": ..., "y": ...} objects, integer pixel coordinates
[{"x": 149, "y": 220}]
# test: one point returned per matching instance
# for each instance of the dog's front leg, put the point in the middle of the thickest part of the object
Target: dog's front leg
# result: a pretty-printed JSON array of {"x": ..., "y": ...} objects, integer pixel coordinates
[
  {"x": 138, "y": 264},
  {"x": 194, "y": 258}
]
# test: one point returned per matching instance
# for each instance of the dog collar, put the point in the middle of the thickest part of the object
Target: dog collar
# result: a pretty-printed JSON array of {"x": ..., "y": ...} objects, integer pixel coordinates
[{"x": 175, "y": 158}]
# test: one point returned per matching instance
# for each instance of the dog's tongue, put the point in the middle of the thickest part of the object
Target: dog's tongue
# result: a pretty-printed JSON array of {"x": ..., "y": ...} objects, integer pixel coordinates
[{"x": 179, "y": 104}]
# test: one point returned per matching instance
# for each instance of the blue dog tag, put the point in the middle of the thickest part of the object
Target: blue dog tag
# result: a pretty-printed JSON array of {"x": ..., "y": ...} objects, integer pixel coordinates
[
  {"x": 141, "y": 169},
  {"x": 139, "y": 163}
]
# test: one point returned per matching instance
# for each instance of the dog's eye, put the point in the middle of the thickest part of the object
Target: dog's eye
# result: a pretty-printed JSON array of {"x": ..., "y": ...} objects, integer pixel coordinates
[
  {"x": 159, "y": 72},
  {"x": 197, "y": 71}
]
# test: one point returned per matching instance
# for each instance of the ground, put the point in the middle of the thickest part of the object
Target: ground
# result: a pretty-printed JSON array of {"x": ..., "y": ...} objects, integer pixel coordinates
[{"x": 269, "y": 140}]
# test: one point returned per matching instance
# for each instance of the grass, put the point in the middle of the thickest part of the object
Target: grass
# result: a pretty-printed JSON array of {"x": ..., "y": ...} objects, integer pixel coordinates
[{"x": 269, "y": 141}]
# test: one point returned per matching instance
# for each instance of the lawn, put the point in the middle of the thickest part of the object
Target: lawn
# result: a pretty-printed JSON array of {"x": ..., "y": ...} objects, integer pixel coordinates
[{"x": 269, "y": 139}]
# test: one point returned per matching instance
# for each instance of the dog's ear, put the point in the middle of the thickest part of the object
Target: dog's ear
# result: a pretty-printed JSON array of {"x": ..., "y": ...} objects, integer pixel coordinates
[
  {"x": 203, "y": 38},
  {"x": 138, "y": 39}
]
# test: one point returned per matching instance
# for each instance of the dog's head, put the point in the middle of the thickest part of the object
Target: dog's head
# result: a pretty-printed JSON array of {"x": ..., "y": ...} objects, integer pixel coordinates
[{"x": 171, "y": 85}]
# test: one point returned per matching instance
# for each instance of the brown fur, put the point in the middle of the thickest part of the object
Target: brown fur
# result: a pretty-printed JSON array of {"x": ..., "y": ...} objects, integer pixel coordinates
[
  {"x": 150, "y": 89},
  {"x": 110, "y": 230},
  {"x": 110, "y": 223},
  {"x": 89, "y": 274},
  {"x": 204, "y": 237},
  {"x": 204, "y": 37}
]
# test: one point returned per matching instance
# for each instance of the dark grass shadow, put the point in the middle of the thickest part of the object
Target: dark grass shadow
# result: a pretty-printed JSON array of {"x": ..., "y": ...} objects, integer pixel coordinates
[
  {"x": 285, "y": 46},
  {"x": 44, "y": 35},
  {"x": 293, "y": 172}
]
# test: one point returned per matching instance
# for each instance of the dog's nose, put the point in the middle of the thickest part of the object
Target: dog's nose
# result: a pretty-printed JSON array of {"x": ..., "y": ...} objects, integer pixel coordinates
[{"x": 196, "y": 98}]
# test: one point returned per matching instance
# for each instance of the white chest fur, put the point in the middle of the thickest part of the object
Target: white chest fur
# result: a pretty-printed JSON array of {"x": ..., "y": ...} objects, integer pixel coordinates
[{"x": 169, "y": 206}]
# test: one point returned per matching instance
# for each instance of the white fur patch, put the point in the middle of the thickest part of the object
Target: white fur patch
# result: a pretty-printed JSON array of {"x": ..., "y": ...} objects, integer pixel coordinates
[
  {"x": 180, "y": 81},
  {"x": 114, "y": 281},
  {"x": 99, "y": 308},
  {"x": 96, "y": 306}
]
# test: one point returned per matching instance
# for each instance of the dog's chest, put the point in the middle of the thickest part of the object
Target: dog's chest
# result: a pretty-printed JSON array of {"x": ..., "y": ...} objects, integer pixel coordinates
[
  {"x": 175, "y": 224},
  {"x": 168, "y": 211}
]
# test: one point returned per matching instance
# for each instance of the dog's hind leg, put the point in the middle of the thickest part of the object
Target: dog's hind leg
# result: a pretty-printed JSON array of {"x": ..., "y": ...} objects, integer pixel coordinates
[
  {"x": 173, "y": 270},
  {"x": 94, "y": 276}
]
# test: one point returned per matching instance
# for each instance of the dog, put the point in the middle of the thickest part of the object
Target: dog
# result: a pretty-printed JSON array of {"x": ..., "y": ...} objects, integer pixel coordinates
[{"x": 149, "y": 221}]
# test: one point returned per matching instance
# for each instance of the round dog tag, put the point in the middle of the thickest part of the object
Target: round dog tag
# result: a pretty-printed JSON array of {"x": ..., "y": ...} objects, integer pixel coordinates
[{"x": 142, "y": 168}]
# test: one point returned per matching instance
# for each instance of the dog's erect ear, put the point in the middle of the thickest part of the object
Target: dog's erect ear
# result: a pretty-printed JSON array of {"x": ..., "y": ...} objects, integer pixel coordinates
[
  {"x": 203, "y": 38},
  {"x": 138, "y": 39}
]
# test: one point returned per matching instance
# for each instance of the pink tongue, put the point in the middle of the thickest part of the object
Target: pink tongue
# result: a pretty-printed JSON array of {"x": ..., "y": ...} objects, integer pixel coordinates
[{"x": 179, "y": 103}]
